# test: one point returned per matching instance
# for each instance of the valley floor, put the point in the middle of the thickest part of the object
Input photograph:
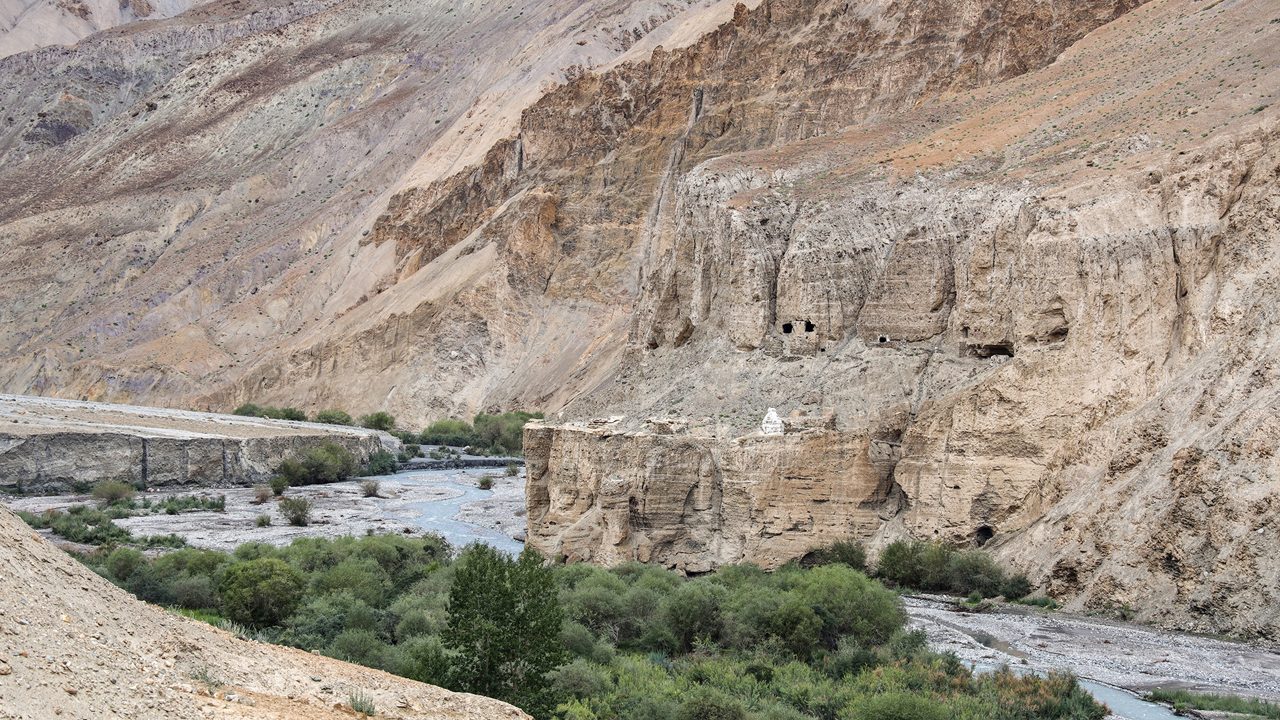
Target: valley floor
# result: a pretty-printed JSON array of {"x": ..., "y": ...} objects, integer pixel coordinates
[{"x": 1115, "y": 654}]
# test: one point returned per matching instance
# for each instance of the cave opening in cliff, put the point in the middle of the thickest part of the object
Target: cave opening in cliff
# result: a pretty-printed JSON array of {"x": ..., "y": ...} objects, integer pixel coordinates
[
  {"x": 990, "y": 350},
  {"x": 786, "y": 328},
  {"x": 808, "y": 326},
  {"x": 983, "y": 535},
  {"x": 883, "y": 339}
]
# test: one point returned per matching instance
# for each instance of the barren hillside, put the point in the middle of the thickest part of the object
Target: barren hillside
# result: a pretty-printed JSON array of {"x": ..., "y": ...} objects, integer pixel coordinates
[{"x": 72, "y": 645}]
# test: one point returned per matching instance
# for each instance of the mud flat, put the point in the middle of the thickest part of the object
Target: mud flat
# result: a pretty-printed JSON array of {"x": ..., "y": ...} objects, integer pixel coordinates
[
  {"x": 1121, "y": 655},
  {"x": 448, "y": 502}
]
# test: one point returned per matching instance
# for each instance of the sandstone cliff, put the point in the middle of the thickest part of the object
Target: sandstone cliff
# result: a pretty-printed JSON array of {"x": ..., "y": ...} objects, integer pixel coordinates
[{"x": 73, "y": 645}]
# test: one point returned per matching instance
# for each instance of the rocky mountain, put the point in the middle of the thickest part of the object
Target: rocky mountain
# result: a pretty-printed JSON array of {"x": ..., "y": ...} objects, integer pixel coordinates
[
  {"x": 30, "y": 24},
  {"x": 1005, "y": 264}
]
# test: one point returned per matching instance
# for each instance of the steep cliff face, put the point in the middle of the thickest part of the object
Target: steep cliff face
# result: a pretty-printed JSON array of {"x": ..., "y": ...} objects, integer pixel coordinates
[{"x": 1037, "y": 312}]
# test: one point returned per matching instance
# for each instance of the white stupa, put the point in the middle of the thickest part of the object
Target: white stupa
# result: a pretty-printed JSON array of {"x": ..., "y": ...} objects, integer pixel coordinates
[{"x": 772, "y": 424}]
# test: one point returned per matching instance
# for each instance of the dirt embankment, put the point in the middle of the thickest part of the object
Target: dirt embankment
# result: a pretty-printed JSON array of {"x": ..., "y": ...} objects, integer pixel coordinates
[{"x": 74, "y": 646}]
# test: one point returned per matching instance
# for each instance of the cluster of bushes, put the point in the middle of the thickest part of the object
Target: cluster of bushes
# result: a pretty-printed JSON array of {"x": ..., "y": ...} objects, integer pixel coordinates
[
  {"x": 577, "y": 642},
  {"x": 267, "y": 411},
  {"x": 374, "y": 421},
  {"x": 89, "y": 526},
  {"x": 325, "y": 463},
  {"x": 486, "y": 435},
  {"x": 935, "y": 567}
]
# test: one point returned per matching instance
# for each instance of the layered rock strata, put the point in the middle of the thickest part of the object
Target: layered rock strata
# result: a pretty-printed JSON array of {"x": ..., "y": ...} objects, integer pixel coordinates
[{"x": 53, "y": 446}]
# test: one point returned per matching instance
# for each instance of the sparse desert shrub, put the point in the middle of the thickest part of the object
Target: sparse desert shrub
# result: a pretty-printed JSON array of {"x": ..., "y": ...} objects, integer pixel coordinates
[
  {"x": 485, "y": 482},
  {"x": 263, "y": 521},
  {"x": 380, "y": 420},
  {"x": 370, "y": 488},
  {"x": 448, "y": 432},
  {"x": 334, "y": 417},
  {"x": 381, "y": 462},
  {"x": 262, "y": 493},
  {"x": 360, "y": 702},
  {"x": 512, "y": 470},
  {"x": 249, "y": 410},
  {"x": 279, "y": 484},
  {"x": 297, "y": 510},
  {"x": 113, "y": 491}
]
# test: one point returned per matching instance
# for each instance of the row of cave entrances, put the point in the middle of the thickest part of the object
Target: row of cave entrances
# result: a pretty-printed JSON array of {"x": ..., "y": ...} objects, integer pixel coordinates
[{"x": 788, "y": 328}]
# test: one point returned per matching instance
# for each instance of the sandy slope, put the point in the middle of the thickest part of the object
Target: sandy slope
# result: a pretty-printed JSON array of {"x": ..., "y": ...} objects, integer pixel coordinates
[{"x": 74, "y": 646}]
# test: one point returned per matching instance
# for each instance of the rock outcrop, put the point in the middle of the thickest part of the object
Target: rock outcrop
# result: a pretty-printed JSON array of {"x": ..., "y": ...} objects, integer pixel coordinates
[
  {"x": 50, "y": 446},
  {"x": 73, "y": 645}
]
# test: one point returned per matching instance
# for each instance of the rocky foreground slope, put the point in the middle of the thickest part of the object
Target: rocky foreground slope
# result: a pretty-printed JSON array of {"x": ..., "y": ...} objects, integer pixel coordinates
[
  {"x": 1009, "y": 263},
  {"x": 72, "y": 645}
]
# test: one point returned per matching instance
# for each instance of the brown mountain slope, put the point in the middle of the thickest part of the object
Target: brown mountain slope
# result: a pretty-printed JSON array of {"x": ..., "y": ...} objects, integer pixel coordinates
[{"x": 72, "y": 645}]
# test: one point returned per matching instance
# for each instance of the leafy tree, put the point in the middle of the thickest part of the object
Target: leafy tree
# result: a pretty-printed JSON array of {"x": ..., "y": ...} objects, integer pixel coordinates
[
  {"x": 381, "y": 462},
  {"x": 448, "y": 432},
  {"x": 261, "y": 592},
  {"x": 504, "y": 626}
]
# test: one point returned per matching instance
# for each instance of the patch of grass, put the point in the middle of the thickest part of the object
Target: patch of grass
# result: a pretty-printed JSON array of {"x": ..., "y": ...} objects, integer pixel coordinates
[
  {"x": 1183, "y": 700},
  {"x": 163, "y": 541},
  {"x": 175, "y": 504},
  {"x": 1043, "y": 602},
  {"x": 263, "y": 521},
  {"x": 362, "y": 703},
  {"x": 485, "y": 483}
]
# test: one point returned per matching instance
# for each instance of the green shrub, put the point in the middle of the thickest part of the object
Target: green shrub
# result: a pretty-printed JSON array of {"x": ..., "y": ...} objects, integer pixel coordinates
[
  {"x": 326, "y": 463},
  {"x": 845, "y": 552},
  {"x": 974, "y": 572},
  {"x": 458, "y": 433},
  {"x": 249, "y": 410},
  {"x": 693, "y": 612},
  {"x": 113, "y": 491},
  {"x": 297, "y": 510},
  {"x": 1016, "y": 587},
  {"x": 260, "y": 592},
  {"x": 370, "y": 488},
  {"x": 287, "y": 413},
  {"x": 894, "y": 706},
  {"x": 378, "y": 421},
  {"x": 263, "y": 521},
  {"x": 381, "y": 462},
  {"x": 512, "y": 469},
  {"x": 1183, "y": 700},
  {"x": 334, "y": 417},
  {"x": 84, "y": 525},
  {"x": 279, "y": 484},
  {"x": 707, "y": 703},
  {"x": 485, "y": 482},
  {"x": 122, "y": 562},
  {"x": 262, "y": 493}
]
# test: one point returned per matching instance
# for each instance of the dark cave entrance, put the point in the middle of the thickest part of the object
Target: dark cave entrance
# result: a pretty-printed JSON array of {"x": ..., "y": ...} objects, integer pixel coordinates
[
  {"x": 786, "y": 328},
  {"x": 983, "y": 535},
  {"x": 808, "y": 326}
]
